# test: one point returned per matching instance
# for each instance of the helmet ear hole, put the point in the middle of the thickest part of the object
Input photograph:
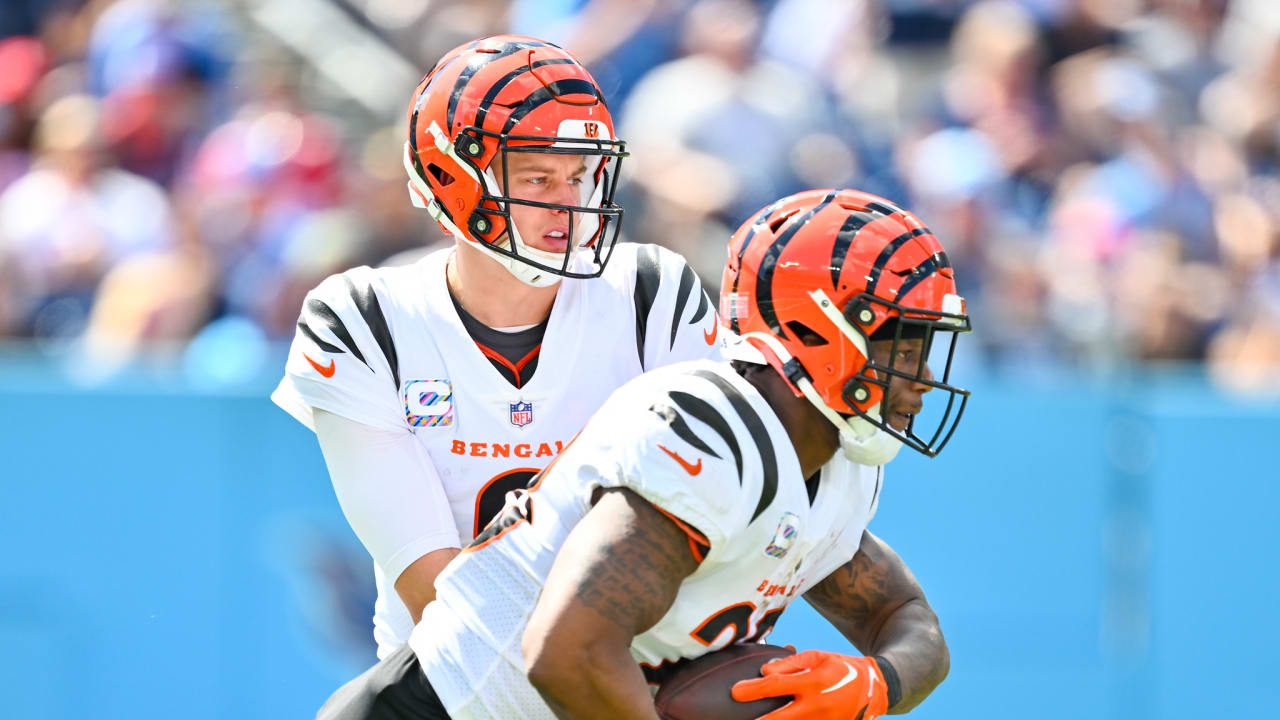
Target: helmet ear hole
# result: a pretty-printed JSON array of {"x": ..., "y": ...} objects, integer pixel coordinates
[
  {"x": 805, "y": 334},
  {"x": 442, "y": 177}
]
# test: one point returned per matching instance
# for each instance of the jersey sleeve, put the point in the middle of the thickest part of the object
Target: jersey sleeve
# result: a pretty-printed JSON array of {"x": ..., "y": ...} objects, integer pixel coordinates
[
  {"x": 388, "y": 490},
  {"x": 342, "y": 359},
  {"x": 674, "y": 315},
  {"x": 862, "y": 486}
]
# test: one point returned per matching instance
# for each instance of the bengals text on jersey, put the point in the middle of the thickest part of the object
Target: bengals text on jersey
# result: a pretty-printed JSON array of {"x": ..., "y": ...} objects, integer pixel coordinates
[
  {"x": 701, "y": 444},
  {"x": 386, "y": 348}
]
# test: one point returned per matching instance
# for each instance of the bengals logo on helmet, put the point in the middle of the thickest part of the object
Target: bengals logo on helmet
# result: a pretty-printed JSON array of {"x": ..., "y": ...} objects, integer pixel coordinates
[{"x": 593, "y": 130}]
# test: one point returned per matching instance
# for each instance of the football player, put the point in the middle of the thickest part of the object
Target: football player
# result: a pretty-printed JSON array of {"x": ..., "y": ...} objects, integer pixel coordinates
[
  {"x": 436, "y": 388},
  {"x": 705, "y": 497}
]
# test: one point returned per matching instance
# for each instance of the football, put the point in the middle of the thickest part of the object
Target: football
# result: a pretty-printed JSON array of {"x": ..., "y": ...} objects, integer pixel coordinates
[{"x": 699, "y": 689}]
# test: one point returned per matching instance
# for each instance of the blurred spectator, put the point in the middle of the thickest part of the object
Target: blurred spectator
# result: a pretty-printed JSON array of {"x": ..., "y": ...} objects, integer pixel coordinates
[
  {"x": 24, "y": 60},
  {"x": 65, "y": 223},
  {"x": 1106, "y": 175},
  {"x": 157, "y": 72},
  {"x": 713, "y": 132},
  {"x": 620, "y": 40}
]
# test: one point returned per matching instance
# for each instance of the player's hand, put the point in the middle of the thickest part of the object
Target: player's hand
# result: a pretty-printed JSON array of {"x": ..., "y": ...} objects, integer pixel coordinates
[{"x": 826, "y": 686}]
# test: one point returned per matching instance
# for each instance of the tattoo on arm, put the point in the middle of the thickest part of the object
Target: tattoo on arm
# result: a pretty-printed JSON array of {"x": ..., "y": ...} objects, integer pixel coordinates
[
  {"x": 614, "y": 577},
  {"x": 633, "y": 575},
  {"x": 875, "y": 602},
  {"x": 863, "y": 592}
]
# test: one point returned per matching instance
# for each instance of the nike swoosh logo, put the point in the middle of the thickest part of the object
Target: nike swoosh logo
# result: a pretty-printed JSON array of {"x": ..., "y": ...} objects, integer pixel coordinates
[
  {"x": 691, "y": 468},
  {"x": 711, "y": 338},
  {"x": 848, "y": 678},
  {"x": 325, "y": 371}
]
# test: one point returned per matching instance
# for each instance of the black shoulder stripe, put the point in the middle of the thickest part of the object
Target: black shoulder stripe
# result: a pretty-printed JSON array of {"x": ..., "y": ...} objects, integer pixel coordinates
[
  {"x": 883, "y": 258},
  {"x": 702, "y": 410},
  {"x": 367, "y": 302},
  {"x": 648, "y": 277},
  {"x": 546, "y": 94},
  {"x": 703, "y": 304},
  {"x": 764, "y": 276},
  {"x": 331, "y": 320},
  {"x": 311, "y": 335},
  {"x": 759, "y": 437},
  {"x": 682, "y": 429},
  {"x": 876, "y": 494},
  {"x": 687, "y": 279},
  {"x": 844, "y": 239}
]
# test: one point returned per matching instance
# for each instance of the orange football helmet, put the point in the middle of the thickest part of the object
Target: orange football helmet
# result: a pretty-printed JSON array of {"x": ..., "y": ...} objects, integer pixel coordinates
[
  {"x": 504, "y": 94},
  {"x": 813, "y": 277}
]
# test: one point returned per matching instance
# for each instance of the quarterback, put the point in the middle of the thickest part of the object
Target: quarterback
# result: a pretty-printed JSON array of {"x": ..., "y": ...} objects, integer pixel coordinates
[
  {"x": 704, "y": 497},
  {"x": 437, "y": 388}
]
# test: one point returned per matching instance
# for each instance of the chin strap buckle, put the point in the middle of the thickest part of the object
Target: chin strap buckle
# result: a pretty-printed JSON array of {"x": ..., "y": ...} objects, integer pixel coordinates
[{"x": 794, "y": 372}]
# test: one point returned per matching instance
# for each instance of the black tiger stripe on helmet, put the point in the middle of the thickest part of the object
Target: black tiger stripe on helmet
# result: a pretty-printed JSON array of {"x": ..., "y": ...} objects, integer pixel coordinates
[
  {"x": 492, "y": 94},
  {"x": 764, "y": 286},
  {"x": 921, "y": 272},
  {"x": 849, "y": 232},
  {"x": 552, "y": 91},
  {"x": 877, "y": 268},
  {"x": 479, "y": 62}
]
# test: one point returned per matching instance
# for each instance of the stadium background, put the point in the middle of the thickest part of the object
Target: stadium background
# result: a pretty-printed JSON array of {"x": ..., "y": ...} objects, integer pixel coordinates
[{"x": 174, "y": 175}]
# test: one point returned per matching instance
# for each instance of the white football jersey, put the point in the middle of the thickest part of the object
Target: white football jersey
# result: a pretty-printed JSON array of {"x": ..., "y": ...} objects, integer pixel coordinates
[
  {"x": 385, "y": 347},
  {"x": 697, "y": 441}
]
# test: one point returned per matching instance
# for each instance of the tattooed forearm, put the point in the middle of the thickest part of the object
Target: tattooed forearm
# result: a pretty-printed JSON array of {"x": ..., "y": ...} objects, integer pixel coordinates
[
  {"x": 615, "y": 576},
  {"x": 633, "y": 574},
  {"x": 856, "y": 594},
  {"x": 876, "y": 603}
]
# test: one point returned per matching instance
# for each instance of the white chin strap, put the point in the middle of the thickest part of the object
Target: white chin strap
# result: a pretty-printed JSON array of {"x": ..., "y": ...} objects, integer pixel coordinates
[{"x": 861, "y": 441}]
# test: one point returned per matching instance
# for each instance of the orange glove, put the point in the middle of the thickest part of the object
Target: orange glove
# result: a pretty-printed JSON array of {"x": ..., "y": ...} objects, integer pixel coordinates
[{"x": 826, "y": 686}]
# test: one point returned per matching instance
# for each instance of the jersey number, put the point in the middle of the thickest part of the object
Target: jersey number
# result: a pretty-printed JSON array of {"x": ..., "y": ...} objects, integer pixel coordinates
[
  {"x": 518, "y": 510},
  {"x": 510, "y": 492},
  {"x": 493, "y": 496},
  {"x": 739, "y": 618}
]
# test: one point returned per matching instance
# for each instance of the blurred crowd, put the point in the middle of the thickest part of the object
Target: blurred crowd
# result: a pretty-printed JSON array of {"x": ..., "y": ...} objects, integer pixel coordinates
[{"x": 176, "y": 174}]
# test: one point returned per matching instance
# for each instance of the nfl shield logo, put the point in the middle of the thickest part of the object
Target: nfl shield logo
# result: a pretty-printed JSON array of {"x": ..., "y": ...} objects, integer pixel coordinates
[{"x": 521, "y": 413}]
